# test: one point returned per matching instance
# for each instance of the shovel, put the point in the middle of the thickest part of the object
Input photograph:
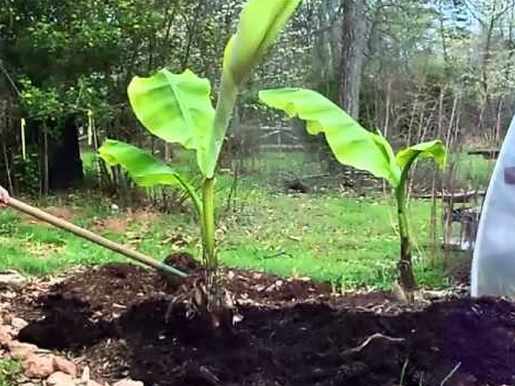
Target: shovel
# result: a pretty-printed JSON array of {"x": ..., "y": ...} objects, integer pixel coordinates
[{"x": 93, "y": 237}]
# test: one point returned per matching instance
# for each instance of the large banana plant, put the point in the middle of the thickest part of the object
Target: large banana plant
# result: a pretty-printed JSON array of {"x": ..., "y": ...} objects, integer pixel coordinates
[
  {"x": 177, "y": 108},
  {"x": 355, "y": 146}
]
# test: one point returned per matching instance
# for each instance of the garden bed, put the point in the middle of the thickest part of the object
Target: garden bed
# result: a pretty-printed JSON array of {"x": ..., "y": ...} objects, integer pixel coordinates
[{"x": 293, "y": 332}]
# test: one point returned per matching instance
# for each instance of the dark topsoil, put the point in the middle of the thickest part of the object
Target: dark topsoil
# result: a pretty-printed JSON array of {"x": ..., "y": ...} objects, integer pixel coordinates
[{"x": 292, "y": 333}]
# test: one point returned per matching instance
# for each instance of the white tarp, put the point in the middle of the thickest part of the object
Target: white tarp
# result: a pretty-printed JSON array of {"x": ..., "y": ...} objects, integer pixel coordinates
[{"x": 493, "y": 262}]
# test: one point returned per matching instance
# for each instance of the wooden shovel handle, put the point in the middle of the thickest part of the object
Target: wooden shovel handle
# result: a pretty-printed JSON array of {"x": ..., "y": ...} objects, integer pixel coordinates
[{"x": 93, "y": 237}]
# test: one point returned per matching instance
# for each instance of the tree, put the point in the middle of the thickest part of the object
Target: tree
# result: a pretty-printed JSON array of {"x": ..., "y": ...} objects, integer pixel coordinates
[
  {"x": 351, "y": 60},
  {"x": 353, "y": 48},
  {"x": 68, "y": 58}
]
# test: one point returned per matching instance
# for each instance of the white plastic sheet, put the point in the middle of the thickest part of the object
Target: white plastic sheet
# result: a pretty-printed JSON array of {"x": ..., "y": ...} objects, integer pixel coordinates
[{"x": 493, "y": 263}]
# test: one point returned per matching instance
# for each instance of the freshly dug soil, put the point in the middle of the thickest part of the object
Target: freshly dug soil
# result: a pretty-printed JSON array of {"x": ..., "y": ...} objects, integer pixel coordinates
[{"x": 293, "y": 332}]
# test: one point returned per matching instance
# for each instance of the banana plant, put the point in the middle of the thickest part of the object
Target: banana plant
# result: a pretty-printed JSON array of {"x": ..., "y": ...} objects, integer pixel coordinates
[
  {"x": 177, "y": 108},
  {"x": 353, "y": 145}
]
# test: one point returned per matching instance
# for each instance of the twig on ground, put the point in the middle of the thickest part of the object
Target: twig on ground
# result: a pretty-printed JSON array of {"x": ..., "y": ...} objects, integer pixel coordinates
[
  {"x": 449, "y": 376},
  {"x": 208, "y": 376},
  {"x": 281, "y": 253},
  {"x": 403, "y": 372},
  {"x": 370, "y": 339}
]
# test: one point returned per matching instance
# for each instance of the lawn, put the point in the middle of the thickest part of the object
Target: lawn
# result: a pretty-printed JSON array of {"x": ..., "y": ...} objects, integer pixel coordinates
[{"x": 346, "y": 240}]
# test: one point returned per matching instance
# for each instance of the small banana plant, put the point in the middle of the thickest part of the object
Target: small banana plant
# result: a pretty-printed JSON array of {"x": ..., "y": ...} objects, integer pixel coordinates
[
  {"x": 177, "y": 108},
  {"x": 355, "y": 146}
]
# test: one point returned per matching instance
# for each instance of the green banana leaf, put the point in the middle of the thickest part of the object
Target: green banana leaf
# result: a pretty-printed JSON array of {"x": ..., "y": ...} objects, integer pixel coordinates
[
  {"x": 144, "y": 169},
  {"x": 350, "y": 143},
  {"x": 176, "y": 108},
  {"x": 431, "y": 149}
]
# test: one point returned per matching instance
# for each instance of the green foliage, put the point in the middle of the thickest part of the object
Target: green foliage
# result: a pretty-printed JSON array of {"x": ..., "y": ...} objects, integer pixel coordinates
[
  {"x": 432, "y": 149},
  {"x": 40, "y": 103},
  {"x": 144, "y": 169},
  {"x": 350, "y": 143},
  {"x": 25, "y": 173},
  {"x": 258, "y": 28},
  {"x": 353, "y": 145},
  {"x": 10, "y": 370},
  {"x": 260, "y": 23},
  {"x": 176, "y": 108}
]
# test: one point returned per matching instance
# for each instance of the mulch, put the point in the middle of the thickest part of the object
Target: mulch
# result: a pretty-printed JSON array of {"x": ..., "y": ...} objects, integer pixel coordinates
[{"x": 293, "y": 332}]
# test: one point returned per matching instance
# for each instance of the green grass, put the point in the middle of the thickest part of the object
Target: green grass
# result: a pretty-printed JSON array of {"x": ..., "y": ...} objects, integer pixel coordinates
[
  {"x": 9, "y": 372},
  {"x": 472, "y": 169},
  {"x": 348, "y": 241},
  {"x": 344, "y": 240}
]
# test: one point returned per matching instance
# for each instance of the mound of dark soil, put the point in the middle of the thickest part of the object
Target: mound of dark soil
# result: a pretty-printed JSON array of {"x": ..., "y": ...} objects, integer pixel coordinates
[{"x": 113, "y": 316}]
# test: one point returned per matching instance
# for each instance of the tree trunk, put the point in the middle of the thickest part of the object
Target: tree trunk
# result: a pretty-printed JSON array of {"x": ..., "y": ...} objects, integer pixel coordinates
[
  {"x": 65, "y": 163},
  {"x": 353, "y": 46},
  {"x": 46, "y": 168},
  {"x": 351, "y": 60}
]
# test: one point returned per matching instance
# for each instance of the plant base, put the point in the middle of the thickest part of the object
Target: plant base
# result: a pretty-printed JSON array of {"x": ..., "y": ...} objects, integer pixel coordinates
[
  {"x": 407, "y": 284},
  {"x": 206, "y": 296}
]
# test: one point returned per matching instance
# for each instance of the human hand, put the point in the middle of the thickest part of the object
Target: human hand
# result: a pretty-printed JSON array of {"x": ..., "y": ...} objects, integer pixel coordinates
[{"x": 4, "y": 196}]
